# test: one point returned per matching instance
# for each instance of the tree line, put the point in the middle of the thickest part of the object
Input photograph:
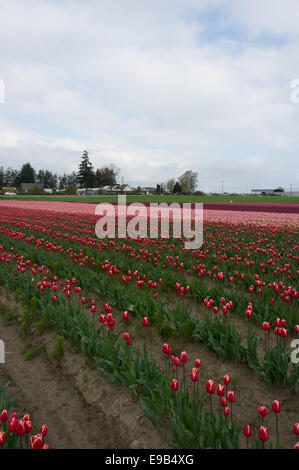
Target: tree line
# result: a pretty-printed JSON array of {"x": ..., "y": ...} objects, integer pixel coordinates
[{"x": 87, "y": 177}]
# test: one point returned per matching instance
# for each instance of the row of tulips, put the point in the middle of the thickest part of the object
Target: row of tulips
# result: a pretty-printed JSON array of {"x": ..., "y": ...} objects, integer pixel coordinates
[
  {"x": 229, "y": 335},
  {"x": 15, "y": 432}
]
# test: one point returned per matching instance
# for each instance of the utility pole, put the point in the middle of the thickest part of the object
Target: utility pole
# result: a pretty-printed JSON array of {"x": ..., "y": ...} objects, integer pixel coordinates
[
  {"x": 222, "y": 182},
  {"x": 291, "y": 190}
]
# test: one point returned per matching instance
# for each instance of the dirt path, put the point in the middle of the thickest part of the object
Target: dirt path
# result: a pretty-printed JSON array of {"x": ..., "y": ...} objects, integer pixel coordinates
[{"x": 80, "y": 406}]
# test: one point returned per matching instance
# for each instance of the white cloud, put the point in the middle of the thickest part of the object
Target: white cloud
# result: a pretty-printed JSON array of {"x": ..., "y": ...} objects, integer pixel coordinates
[{"x": 133, "y": 83}]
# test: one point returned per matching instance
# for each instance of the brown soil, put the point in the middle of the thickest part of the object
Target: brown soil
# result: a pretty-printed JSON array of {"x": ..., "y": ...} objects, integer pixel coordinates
[{"x": 81, "y": 407}]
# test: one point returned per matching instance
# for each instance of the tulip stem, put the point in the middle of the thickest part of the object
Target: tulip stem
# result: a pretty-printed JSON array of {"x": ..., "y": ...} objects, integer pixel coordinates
[
  {"x": 277, "y": 435},
  {"x": 175, "y": 407}
]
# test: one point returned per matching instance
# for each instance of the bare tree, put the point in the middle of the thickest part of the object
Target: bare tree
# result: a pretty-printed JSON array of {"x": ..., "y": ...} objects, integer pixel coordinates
[
  {"x": 188, "y": 181},
  {"x": 170, "y": 185}
]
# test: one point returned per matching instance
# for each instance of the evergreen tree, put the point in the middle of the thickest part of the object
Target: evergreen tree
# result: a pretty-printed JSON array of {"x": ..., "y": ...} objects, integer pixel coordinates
[
  {"x": 85, "y": 174},
  {"x": 27, "y": 174},
  {"x": 177, "y": 188},
  {"x": 1, "y": 177}
]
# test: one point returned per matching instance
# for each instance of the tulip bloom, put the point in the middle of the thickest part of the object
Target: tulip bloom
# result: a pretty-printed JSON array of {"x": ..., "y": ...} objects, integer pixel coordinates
[
  {"x": 296, "y": 429},
  {"x": 2, "y": 438},
  {"x": 247, "y": 433},
  {"x": 20, "y": 429},
  {"x": 126, "y": 315},
  {"x": 145, "y": 322},
  {"x": 194, "y": 374},
  {"x": 184, "y": 359},
  {"x": 223, "y": 402},
  {"x": 27, "y": 426},
  {"x": 12, "y": 424},
  {"x": 4, "y": 415},
  {"x": 276, "y": 407},
  {"x": 210, "y": 388},
  {"x": 36, "y": 442},
  {"x": 263, "y": 435},
  {"x": 231, "y": 398},
  {"x": 197, "y": 363},
  {"x": 44, "y": 430},
  {"x": 126, "y": 336},
  {"x": 226, "y": 379},
  {"x": 262, "y": 411},
  {"x": 194, "y": 378},
  {"x": 174, "y": 385}
]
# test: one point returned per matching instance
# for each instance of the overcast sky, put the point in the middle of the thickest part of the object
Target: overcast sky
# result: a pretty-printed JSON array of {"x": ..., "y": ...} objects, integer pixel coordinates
[{"x": 156, "y": 87}]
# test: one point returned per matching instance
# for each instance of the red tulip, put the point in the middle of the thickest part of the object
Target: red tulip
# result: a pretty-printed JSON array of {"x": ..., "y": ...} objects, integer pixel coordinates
[
  {"x": 247, "y": 431},
  {"x": 184, "y": 357},
  {"x": 197, "y": 363},
  {"x": 220, "y": 390},
  {"x": 4, "y": 415},
  {"x": 27, "y": 426},
  {"x": 296, "y": 429},
  {"x": 36, "y": 442},
  {"x": 226, "y": 379},
  {"x": 263, "y": 434},
  {"x": 231, "y": 396},
  {"x": 174, "y": 385},
  {"x": 2, "y": 438},
  {"x": 176, "y": 361},
  {"x": 12, "y": 424},
  {"x": 194, "y": 374},
  {"x": 145, "y": 322},
  {"x": 223, "y": 402},
  {"x": 126, "y": 315},
  {"x": 262, "y": 410},
  {"x": 44, "y": 430},
  {"x": 210, "y": 386},
  {"x": 276, "y": 406},
  {"x": 226, "y": 411},
  {"x": 20, "y": 429},
  {"x": 126, "y": 336}
]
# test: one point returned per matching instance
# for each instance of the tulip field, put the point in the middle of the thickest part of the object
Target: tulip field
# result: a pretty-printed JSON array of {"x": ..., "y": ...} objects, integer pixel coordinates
[{"x": 203, "y": 339}]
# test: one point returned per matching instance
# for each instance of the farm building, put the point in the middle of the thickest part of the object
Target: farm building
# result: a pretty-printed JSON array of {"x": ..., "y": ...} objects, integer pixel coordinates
[{"x": 268, "y": 192}]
